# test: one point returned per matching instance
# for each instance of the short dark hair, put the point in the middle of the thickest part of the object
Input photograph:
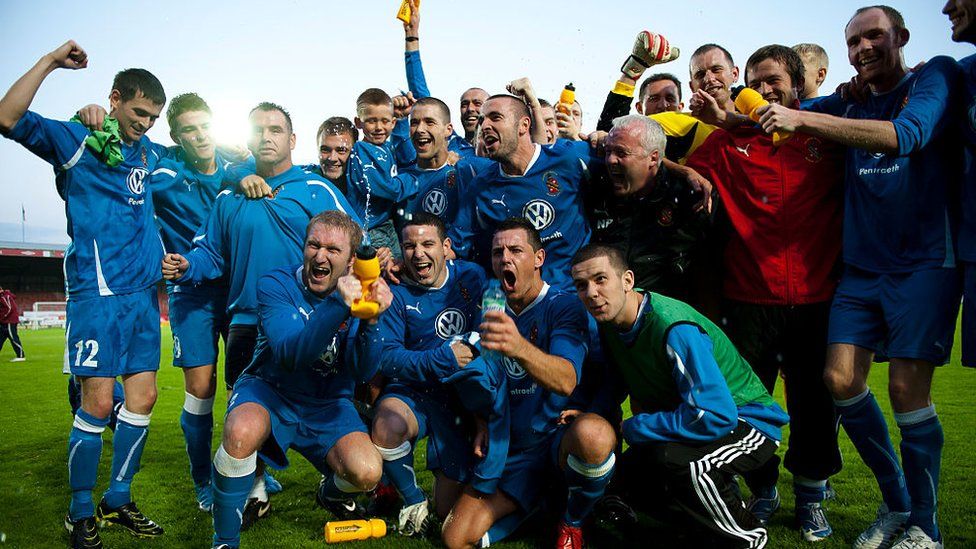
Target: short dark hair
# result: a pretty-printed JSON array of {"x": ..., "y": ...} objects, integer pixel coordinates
[
  {"x": 516, "y": 223},
  {"x": 659, "y": 77},
  {"x": 338, "y": 125},
  {"x": 185, "y": 102},
  {"x": 521, "y": 109},
  {"x": 897, "y": 21},
  {"x": 372, "y": 97},
  {"x": 708, "y": 47},
  {"x": 441, "y": 107},
  {"x": 131, "y": 81},
  {"x": 267, "y": 106},
  {"x": 340, "y": 220},
  {"x": 783, "y": 55},
  {"x": 425, "y": 219},
  {"x": 614, "y": 255},
  {"x": 544, "y": 103}
]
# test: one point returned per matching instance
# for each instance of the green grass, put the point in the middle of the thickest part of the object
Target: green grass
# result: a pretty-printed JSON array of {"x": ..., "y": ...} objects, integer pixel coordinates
[{"x": 35, "y": 419}]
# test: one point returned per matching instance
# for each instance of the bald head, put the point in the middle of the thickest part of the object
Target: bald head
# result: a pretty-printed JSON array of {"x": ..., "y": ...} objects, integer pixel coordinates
[{"x": 471, "y": 101}]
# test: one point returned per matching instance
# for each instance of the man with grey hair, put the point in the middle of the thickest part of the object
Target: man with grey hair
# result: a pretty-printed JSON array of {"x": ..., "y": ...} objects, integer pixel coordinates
[
  {"x": 815, "y": 64},
  {"x": 646, "y": 210}
]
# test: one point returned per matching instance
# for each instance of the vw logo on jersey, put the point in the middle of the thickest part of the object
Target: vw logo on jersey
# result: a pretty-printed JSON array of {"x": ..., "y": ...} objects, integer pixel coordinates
[
  {"x": 539, "y": 213},
  {"x": 449, "y": 323},
  {"x": 135, "y": 180},
  {"x": 435, "y": 202},
  {"x": 513, "y": 368}
]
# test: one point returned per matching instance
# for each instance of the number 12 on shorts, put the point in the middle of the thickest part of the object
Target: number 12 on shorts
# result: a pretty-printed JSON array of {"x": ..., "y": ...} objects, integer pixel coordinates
[{"x": 92, "y": 348}]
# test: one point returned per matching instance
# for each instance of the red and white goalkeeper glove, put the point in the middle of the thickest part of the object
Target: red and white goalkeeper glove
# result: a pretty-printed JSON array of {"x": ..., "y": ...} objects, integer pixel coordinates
[{"x": 649, "y": 49}]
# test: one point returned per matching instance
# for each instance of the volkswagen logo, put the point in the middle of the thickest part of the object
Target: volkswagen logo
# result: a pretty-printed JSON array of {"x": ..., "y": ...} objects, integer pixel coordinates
[
  {"x": 539, "y": 213},
  {"x": 449, "y": 323},
  {"x": 513, "y": 368},
  {"x": 135, "y": 180},
  {"x": 435, "y": 202}
]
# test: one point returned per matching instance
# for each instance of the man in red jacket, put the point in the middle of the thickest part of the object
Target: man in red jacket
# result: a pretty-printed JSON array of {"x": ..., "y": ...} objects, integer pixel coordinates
[
  {"x": 9, "y": 317},
  {"x": 784, "y": 205}
]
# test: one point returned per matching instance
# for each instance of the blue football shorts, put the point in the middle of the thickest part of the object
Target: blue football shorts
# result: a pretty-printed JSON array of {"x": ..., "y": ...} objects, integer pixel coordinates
[
  {"x": 110, "y": 336},
  {"x": 198, "y": 319}
]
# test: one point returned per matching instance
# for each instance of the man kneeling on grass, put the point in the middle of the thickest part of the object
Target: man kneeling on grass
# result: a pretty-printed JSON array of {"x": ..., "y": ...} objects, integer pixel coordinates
[
  {"x": 297, "y": 391},
  {"x": 700, "y": 413}
]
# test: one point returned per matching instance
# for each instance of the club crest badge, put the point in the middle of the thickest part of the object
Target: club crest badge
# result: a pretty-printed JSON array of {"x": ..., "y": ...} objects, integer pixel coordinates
[{"x": 552, "y": 184}]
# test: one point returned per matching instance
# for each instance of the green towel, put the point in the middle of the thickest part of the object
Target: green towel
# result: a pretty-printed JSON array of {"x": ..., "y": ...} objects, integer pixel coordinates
[{"x": 105, "y": 143}]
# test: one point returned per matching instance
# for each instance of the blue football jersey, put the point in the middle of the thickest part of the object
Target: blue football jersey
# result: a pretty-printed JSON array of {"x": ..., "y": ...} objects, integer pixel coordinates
[
  {"x": 421, "y": 320},
  {"x": 967, "y": 226},
  {"x": 247, "y": 238},
  {"x": 306, "y": 345},
  {"x": 899, "y": 214},
  {"x": 549, "y": 195},
  {"x": 439, "y": 191},
  {"x": 183, "y": 198},
  {"x": 373, "y": 184},
  {"x": 555, "y": 322},
  {"x": 115, "y": 247}
]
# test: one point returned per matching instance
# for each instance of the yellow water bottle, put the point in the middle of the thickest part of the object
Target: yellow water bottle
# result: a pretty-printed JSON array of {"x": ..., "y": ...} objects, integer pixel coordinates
[
  {"x": 353, "y": 530},
  {"x": 566, "y": 99},
  {"x": 748, "y": 102},
  {"x": 366, "y": 267}
]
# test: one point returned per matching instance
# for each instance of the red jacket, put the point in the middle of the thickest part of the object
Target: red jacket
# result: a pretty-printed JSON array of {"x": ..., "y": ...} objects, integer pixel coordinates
[
  {"x": 785, "y": 206},
  {"x": 9, "y": 314}
]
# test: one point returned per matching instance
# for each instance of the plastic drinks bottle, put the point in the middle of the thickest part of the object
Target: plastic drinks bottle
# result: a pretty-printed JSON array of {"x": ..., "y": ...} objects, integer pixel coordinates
[
  {"x": 566, "y": 99},
  {"x": 748, "y": 102},
  {"x": 353, "y": 530},
  {"x": 492, "y": 300},
  {"x": 366, "y": 267}
]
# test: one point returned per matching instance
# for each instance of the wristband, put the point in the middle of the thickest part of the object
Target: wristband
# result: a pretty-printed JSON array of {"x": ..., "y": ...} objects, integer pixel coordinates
[{"x": 623, "y": 88}]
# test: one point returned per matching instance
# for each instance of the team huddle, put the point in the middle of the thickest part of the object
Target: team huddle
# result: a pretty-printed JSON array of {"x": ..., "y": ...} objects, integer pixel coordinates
[{"x": 533, "y": 278}]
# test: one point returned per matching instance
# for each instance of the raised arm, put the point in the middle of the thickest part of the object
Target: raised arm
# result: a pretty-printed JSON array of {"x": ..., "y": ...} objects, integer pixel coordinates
[
  {"x": 19, "y": 97},
  {"x": 523, "y": 88}
]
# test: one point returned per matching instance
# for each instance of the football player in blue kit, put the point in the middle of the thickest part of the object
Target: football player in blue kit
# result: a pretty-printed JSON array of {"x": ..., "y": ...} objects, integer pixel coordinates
[
  {"x": 541, "y": 339},
  {"x": 184, "y": 189},
  {"x": 899, "y": 294},
  {"x": 111, "y": 270},
  {"x": 436, "y": 300},
  {"x": 962, "y": 15},
  {"x": 542, "y": 183},
  {"x": 297, "y": 392},
  {"x": 440, "y": 183}
]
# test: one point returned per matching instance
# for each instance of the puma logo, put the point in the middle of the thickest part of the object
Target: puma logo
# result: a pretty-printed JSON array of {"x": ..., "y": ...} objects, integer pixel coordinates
[
  {"x": 499, "y": 201},
  {"x": 744, "y": 150},
  {"x": 414, "y": 308}
]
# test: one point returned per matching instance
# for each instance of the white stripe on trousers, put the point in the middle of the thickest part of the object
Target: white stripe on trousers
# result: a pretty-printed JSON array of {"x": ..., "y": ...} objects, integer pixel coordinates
[
  {"x": 18, "y": 348},
  {"x": 710, "y": 496}
]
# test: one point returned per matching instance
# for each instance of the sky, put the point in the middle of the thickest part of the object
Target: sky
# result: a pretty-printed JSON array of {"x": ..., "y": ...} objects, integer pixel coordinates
[{"x": 315, "y": 57}]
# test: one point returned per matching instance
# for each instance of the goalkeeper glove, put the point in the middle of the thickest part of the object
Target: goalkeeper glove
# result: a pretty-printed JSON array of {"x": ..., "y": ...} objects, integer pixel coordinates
[{"x": 649, "y": 49}]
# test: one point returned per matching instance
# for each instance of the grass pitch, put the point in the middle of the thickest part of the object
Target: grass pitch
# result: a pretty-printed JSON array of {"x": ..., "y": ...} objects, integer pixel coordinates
[{"x": 35, "y": 420}]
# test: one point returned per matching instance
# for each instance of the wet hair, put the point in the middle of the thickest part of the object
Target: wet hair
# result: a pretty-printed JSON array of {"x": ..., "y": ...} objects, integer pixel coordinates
[
  {"x": 267, "y": 106},
  {"x": 708, "y": 47},
  {"x": 659, "y": 77},
  {"x": 131, "y": 81},
  {"x": 182, "y": 103},
  {"x": 341, "y": 221},
  {"x": 783, "y": 55},
  {"x": 521, "y": 109},
  {"x": 591, "y": 251},
  {"x": 897, "y": 21},
  {"x": 441, "y": 107},
  {"x": 424, "y": 219},
  {"x": 337, "y": 125},
  {"x": 649, "y": 131},
  {"x": 813, "y": 50},
  {"x": 516, "y": 223},
  {"x": 372, "y": 97}
]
